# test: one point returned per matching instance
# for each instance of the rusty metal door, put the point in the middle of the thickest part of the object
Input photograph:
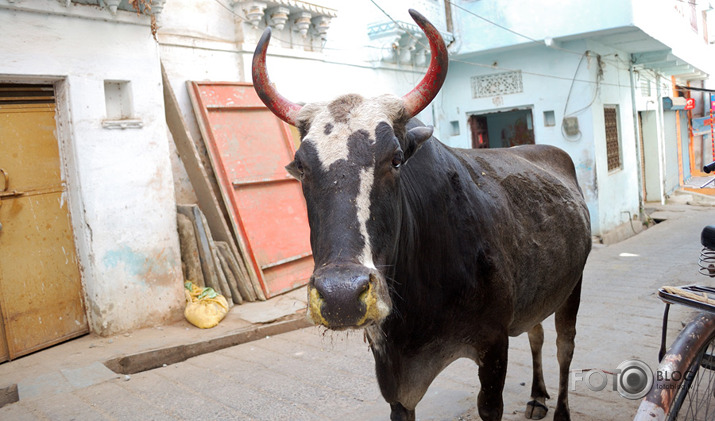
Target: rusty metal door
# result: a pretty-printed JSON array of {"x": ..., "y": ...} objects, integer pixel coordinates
[
  {"x": 41, "y": 301},
  {"x": 249, "y": 148}
]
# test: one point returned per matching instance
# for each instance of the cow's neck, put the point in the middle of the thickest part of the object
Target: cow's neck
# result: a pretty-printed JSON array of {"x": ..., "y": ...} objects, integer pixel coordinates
[{"x": 441, "y": 219}]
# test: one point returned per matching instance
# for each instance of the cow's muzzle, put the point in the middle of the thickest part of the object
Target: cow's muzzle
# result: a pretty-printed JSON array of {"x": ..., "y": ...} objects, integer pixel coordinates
[{"x": 344, "y": 296}]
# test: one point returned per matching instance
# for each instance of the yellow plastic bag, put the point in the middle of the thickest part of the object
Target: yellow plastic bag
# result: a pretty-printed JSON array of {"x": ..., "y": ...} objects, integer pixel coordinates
[{"x": 204, "y": 306}]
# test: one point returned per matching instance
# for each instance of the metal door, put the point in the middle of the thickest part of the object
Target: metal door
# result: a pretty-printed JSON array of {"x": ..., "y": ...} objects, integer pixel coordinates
[
  {"x": 249, "y": 148},
  {"x": 41, "y": 299}
]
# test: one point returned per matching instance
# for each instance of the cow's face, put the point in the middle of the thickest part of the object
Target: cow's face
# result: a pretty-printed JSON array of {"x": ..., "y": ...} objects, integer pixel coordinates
[
  {"x": 350, "y": 159},
  {"x": 352, "y": 153}
]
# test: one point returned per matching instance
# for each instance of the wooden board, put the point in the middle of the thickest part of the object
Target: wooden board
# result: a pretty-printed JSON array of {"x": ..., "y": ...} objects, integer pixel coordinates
[
  {"x": 249, "y": 148},
  {"x": 208, "y": 202}
]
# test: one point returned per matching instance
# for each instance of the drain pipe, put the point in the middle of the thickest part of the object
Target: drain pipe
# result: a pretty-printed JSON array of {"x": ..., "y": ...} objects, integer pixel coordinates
[
  {"x": 661, "y": 137},
  {"x": 639, "y": 151}
]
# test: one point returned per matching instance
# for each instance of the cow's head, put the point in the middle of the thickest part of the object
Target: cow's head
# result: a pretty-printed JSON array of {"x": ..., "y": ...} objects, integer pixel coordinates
[{"x": 349, "y": 162}]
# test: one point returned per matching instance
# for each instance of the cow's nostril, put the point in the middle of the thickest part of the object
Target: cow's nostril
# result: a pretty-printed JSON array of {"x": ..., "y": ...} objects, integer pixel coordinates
[{"x": 362, "y": 294}]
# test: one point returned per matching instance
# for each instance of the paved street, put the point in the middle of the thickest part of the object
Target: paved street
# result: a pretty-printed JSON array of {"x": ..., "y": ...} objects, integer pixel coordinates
[{"x": 311, "y": 374}]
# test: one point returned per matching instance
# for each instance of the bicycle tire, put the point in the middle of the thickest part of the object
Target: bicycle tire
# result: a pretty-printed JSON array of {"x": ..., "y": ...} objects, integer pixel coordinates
[
  {"x": 672, "y": 386},
  {"x": 694, "y": 399}
]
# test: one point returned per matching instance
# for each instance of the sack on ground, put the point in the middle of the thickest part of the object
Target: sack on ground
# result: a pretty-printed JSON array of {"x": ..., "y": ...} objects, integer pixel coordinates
[{"x": 204, "y": 306}]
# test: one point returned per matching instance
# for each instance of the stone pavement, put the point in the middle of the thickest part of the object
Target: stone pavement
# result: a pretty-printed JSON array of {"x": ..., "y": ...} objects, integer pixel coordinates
[{"x": 310, "y": 374}]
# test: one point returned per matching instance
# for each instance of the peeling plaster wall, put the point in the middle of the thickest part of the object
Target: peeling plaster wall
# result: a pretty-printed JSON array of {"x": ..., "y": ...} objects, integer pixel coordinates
[{"x": 120, "y": 185}]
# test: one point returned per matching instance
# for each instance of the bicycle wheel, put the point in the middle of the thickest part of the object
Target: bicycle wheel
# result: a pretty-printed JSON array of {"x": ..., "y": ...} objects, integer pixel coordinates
[
  {"x": 695, "y": 399},
  {"x": 685, "y": 380}
]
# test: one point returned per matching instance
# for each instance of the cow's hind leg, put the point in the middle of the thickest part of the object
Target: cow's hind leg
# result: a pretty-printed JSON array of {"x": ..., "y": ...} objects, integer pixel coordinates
[
  {"x": 536, "y": 408},
  {"x": 565, "y": 334}
]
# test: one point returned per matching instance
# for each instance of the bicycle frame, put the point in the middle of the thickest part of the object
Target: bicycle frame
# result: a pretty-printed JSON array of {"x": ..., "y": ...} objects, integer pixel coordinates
[{"x": 682, "y": 352}]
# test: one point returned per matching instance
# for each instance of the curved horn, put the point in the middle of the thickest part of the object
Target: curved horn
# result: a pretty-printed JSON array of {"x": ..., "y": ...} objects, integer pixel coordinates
[
  {"x": 280, "y": 106},
  {"x": 425, "y": 91}
]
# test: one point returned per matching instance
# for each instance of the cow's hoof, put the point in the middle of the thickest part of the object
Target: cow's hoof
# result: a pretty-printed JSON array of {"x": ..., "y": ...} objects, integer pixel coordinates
[{"x": 535, "y": 410}]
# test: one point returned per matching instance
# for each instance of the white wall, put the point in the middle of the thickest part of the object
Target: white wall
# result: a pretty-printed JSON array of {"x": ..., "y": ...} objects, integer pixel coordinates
[
  {"x": 668, "y": 21},
  {"x": 120, "y": 183},
  {"x": 618, "y": 189}
]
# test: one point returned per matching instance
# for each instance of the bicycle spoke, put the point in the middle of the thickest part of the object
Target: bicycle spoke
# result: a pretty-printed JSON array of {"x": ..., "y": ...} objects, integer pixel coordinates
[{"x": 699, "y": 393}]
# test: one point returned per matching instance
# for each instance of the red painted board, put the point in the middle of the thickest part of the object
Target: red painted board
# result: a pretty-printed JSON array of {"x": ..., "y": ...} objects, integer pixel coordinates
[{"x": 249, "y": 148}]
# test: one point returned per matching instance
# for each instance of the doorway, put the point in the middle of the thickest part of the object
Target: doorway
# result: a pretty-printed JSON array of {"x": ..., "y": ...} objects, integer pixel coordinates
[
  {"x": 650, "y": 164},
  {"x": 41, "y": 296},
  {"x": 502, "y": 129}
]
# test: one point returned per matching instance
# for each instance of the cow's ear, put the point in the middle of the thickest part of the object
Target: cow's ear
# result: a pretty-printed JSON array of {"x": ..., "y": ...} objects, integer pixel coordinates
[
  {"x": 295, "y": 169},
  {"x": 415, "y": 138}
]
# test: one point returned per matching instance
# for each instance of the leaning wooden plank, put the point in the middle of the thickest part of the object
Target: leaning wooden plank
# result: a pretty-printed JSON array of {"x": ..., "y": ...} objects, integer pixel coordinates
[
  {"x": 208, "y": 201},
  {"x": 189, "y": 250},
  {"x": 230, "y": 278},
  {"x": 222, "y": 281},
  {"x": 240, "y": 240},
  {"x": 205, "y": 255},
  {"x": 247, "y": 293},
  {"x": 242, "y": 274},
  {"x": 205, "y": 241}
]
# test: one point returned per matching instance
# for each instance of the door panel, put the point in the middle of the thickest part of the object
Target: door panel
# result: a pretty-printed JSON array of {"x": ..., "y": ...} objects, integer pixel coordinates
[
  {"x": 40, "y": 286},
  {"x": 249, "y": 148}
]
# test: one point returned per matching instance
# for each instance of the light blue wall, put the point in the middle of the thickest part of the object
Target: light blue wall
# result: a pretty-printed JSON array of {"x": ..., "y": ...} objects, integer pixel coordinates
[{"x": 534, "y": 19}]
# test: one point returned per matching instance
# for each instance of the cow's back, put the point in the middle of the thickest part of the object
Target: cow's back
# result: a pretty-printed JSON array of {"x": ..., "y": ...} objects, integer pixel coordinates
[{"x": 544, "y": 235}]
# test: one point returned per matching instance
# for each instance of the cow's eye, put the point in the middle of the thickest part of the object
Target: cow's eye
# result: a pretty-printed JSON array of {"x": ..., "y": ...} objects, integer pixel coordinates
[
  {"x": 299, "y": 166},
  {"x": 397, "y": 159}
]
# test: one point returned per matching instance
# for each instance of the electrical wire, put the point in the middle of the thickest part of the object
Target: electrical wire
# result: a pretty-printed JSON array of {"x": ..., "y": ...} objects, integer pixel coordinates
[
  {"x": 555, "y": 47},
  {"x": 243, "y": 18}
]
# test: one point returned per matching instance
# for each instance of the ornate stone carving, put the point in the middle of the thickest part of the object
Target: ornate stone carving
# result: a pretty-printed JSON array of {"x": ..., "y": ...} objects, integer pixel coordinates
[
  {"x": 253, "y": 10},
  {"x": 401, "y": 42},
  {"x": 497, "y": 84},
  {"x": 301, "y": 23},
  {"x": 301, "y": 17},
  {"x": 277, "y": 17}
]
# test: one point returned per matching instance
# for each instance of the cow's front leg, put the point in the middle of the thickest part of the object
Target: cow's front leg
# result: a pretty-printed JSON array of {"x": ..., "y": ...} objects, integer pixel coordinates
[
  {"x": 492, "y": 374},
  {"x": 404, "y": 380},
  {"x": 400, "y": 413}
]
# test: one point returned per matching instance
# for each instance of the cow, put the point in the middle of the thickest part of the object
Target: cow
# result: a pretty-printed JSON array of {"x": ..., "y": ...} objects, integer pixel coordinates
[{"x": 437, "y": 253}]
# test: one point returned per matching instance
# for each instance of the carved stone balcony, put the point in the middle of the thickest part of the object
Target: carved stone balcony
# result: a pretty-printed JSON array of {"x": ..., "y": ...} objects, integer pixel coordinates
[
  {"x": 305, "y": 19},
  {"x": 112, "y": 6},
  {"x": 401, "y": 42}
]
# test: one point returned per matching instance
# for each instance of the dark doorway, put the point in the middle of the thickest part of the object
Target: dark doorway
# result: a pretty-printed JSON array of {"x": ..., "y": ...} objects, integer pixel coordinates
[
  {"x": 502, "y": 129},
  {"x": 480, "y": 132}
]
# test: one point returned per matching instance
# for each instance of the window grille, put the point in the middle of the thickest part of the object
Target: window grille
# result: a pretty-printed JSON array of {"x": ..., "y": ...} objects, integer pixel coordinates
[{"x": 613, "y": 147}]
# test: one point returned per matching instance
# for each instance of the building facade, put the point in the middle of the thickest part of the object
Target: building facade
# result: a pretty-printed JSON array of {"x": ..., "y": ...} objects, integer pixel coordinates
[{"x": 591, "y": 77}]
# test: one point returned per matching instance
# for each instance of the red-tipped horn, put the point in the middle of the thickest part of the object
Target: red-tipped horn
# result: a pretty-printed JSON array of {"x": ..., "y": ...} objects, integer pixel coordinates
[
  {"x": 425, "y": 91},
  {"x": 280, "y": 106}
]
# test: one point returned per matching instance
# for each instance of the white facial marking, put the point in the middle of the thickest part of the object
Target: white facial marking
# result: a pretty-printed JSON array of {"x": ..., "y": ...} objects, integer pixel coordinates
[
  {"x": 367, "y": 178},
  {"x": 364, "y": 116},
  {"x": 332, "y": 145}
]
